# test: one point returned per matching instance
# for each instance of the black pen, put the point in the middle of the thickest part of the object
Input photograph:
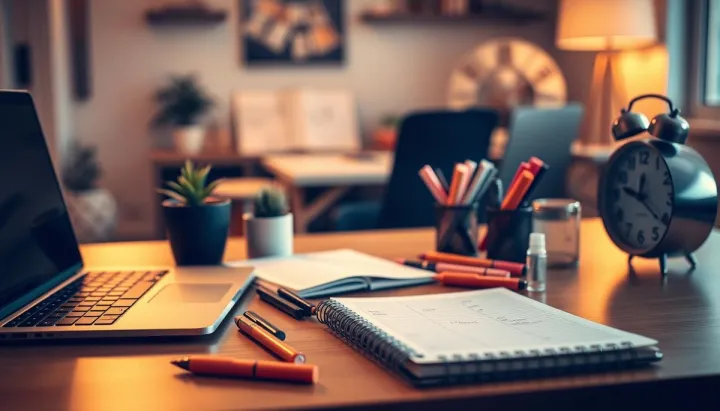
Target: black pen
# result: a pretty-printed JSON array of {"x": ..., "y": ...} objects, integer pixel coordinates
[
  {"x": 265, "y": 324},
  {"x": 536, "y": 181},
  {"x": 281, "y": 304},
  {"x": 297, "y": 300}
]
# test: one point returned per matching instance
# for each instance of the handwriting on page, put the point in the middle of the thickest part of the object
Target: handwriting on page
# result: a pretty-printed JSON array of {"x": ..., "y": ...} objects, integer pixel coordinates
[{"x": 493, "y": 321}]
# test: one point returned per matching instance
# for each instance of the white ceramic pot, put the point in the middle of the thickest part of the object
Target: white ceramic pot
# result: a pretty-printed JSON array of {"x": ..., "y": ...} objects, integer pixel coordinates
[
  {"x": 269, "y": 237},
  {"x": 189, "y": 139},
  {"x": 93, "y": 214}
]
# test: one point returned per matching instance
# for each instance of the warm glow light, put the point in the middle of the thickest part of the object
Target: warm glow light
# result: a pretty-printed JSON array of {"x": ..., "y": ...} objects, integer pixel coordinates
[{"x": 605, "y": 24}]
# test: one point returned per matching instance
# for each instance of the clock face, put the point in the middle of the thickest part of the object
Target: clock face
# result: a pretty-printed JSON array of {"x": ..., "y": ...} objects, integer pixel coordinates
[
  {"x": 637, "y": 198},
  {"x": 505, "y": 73}
]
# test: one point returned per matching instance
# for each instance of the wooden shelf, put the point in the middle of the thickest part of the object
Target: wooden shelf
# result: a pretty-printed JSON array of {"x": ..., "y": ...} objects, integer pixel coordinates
[
  {"x": 185, "y": 16},
  {"x": 500, "y": 16}
]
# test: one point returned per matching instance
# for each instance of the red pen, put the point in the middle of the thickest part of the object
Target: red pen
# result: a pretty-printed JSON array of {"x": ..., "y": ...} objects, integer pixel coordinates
[
  {"x": 516, "y": 269},
  {"x": 458, "y": 268},
  {"x": 480, "y": 281}
]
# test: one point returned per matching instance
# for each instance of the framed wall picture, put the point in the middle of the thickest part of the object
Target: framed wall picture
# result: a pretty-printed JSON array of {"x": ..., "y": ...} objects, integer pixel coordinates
[{"x": 292, "y": 32}]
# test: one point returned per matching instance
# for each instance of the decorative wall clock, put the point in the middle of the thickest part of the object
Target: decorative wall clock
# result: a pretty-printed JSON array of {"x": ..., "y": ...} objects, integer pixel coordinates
[{"x": 504, "y": 73}]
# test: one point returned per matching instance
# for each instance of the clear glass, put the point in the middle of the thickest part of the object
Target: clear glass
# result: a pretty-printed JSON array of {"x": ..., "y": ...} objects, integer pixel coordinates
[{"x": 559, "y": 220}]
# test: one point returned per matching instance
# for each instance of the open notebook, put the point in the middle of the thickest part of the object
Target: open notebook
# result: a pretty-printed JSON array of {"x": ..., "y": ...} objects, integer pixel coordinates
[
  {"x": 335, "y": 272},
  {"x": 479, "y": 335}
]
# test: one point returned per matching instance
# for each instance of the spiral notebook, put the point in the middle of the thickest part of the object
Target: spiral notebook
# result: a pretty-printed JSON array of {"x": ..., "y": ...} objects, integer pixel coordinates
[{"x": 479, "y": 335}]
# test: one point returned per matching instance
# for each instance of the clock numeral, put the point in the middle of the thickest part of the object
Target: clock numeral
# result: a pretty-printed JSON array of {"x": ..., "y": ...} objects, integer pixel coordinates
[
  {"x": 669, "y": 201},
  {"x": 665, "y": 219},
  {"x": 644, "y": 157},
  {"x": 623, "y": 177},
  {"x": 657, "y": 163},
  {"x": 628, "y": 227},
  {"x": 504, "y": 55},
  {"x": 641, "y": 237},
  {"x": 667, "y": 181},
  {"x": 543, "y": 74},
  {"x": 616, "y": 195},
  {"x": 631, "y": 163},
  {"x": 655, "y": 233}
]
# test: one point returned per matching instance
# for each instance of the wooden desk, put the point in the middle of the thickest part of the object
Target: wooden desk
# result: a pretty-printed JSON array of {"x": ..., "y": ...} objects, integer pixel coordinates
[
  {"x": 338, "y": 172},
  {"x": 682, "y": 312}
]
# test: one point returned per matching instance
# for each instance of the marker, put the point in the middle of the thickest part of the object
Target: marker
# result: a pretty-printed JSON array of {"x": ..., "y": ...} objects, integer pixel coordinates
[
  {"x": 430, "y": 179},
  {"x": 265, "y": 324},
  {"x": 260, "y": 370},
  {"x": 440, "y": 267},
  {"x": 459, "y": 174},
  {"x": 516, "y": 269},
  {"x": 536, "y": 181},
  {"x": 479, "y": 281},
  {"x": 308, "y": 307},
  {"x": 268, "y": 341},
  {"x": 281, "y": 304}
]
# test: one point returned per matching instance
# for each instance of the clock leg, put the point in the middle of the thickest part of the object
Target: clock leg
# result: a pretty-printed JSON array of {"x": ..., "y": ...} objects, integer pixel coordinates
[
  {"x": 663, "y": 264},
  {"x": 630, "y": 258},
  {"x": 691, "y": 260}
]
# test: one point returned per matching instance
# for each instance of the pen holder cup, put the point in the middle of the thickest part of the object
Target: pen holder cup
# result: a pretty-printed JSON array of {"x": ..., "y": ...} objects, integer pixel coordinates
[
  {"x": 456, "y": 229},
  {"x": 508, "y": 236}
]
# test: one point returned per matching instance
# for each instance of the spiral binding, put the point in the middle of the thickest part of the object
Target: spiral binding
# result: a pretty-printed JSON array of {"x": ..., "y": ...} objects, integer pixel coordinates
[{"x": 394, "y": 355}]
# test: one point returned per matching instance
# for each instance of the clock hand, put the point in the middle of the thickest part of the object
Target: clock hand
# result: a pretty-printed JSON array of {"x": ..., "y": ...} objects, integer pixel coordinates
[
  {"x": 650, "y": 209},
  {"x": 632, "y": 193},
  {"x": 641, "y": 186}
]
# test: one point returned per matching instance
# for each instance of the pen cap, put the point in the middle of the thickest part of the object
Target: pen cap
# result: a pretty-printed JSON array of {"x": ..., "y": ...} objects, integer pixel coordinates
[{"x": 537, "y": 243}]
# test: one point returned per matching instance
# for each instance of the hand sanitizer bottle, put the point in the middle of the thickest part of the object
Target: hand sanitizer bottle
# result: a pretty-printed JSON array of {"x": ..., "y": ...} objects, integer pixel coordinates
[{"x": 536, "y": 263}]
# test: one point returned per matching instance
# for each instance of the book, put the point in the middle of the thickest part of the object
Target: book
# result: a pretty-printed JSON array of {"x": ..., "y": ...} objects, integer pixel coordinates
[
  {"x": 301, "y": 119},
  {"x": 479, "y": 335},
  {"x": 326, "y": 273}
]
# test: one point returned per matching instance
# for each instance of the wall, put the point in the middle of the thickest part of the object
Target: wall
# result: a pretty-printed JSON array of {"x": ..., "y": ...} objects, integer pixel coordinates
[{"x": 389, "y": 68}]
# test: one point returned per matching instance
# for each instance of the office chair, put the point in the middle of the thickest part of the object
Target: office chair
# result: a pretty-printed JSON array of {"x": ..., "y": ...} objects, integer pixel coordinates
[{"x": 440, "y": 139}]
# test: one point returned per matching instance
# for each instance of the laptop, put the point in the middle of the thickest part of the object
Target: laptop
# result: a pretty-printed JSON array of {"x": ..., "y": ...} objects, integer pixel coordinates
[
  {"x": 547, "y": 133},
  {"x": 46, "y": 292}
]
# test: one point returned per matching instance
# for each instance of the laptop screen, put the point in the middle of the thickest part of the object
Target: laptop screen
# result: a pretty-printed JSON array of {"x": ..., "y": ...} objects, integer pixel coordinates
[{"x": 37, "y": 244}]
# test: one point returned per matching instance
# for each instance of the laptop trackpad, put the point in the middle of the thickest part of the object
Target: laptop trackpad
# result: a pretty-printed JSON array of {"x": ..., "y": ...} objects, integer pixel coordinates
[{"x": 190, "y": 293}]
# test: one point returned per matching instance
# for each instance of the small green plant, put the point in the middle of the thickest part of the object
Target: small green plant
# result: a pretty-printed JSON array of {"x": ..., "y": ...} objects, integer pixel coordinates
[
  {"x": 182, "y": 102},
  {"x": 271, "y": 202},
  {"x": 191, "y": 189},
  {"x": 81, "y": 172},
  {"x": 390, "y": 121}
]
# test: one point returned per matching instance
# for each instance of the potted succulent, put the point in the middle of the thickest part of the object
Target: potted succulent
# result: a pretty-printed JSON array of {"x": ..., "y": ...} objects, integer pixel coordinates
[
  {"x": 92, "y": 209},
  {"x": 386, "y": 134},
  {"x": 269, "y": 229},
  {"x": 182, "y": 104},
  {"x": 197, "y": 223}
]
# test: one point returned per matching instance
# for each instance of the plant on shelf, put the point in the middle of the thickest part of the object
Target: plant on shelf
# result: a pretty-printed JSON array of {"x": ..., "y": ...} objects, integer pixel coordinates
[
  {"x": 92, "y": 209},
  {"x": 197, "y": 222},
  {"x": 269, "y": 229},
  {"x": 183, "y": 102},
  {"x": 386, "y": 133}
]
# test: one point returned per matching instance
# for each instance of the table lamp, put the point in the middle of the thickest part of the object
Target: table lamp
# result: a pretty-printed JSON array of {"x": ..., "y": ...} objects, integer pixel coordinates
[{"x": 608, "y": 27}]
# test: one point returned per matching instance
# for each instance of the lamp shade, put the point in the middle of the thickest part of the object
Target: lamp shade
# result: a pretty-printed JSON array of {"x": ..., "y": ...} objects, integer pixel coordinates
[{"x": 605, "y": 24}]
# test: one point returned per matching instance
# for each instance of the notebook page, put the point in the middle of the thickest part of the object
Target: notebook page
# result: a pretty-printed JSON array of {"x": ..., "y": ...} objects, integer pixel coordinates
[
  {"x": 479, "y": 322},
  {"x": 303, "y": 271}
]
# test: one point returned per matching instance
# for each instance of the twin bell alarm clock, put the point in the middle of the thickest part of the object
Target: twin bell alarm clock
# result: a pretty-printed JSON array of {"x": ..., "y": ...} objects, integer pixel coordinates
[{"x": 657, "y": 197}]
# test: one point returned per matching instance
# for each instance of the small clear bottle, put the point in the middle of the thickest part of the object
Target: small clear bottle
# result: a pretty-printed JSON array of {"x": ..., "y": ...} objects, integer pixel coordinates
[{"x": 537, "y": 263}]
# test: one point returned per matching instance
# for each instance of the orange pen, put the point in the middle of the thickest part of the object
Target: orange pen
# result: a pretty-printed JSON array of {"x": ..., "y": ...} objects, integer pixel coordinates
[
  {"x": 479, "y": 281},
  {"x": 265, "y": 370},
  {"x": 267, "y": 340},
  {"x": 516, "y": 269},
  {"x": 514, "y": 197},
  {"x": 458, "y": 177}
]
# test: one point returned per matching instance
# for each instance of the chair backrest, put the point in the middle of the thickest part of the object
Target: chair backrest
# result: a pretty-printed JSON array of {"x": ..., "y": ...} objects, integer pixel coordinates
[
  {"x": 440, "y": 139},
  {"x": 547, "y": 134}
]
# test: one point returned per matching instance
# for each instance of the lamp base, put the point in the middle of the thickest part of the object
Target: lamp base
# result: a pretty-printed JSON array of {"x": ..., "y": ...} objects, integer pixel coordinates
[{"x": 607, "y": 96}]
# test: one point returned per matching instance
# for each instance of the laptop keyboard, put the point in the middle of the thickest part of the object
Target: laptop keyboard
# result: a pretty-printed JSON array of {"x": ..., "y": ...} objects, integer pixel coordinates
[{"x": 96, "y": 298}]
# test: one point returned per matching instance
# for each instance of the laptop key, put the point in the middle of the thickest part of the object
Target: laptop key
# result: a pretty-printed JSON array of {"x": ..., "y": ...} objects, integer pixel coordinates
[
  {"x": 124, "y": 303},
  {"x": 92, "y": 299},
  {"x": 138, "y": 290},
  {"x": 86, "y": 304},
  {"x": 115, "y": 310},
  {"x": 94, "y": 313},
  {"x": 82, "y": 309},
  {"x": 86, "y": 321},
  {"x": 67, "y": 321},
  {"x": 75, "y": 314},
  {"x": 48, "y": 322}
]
